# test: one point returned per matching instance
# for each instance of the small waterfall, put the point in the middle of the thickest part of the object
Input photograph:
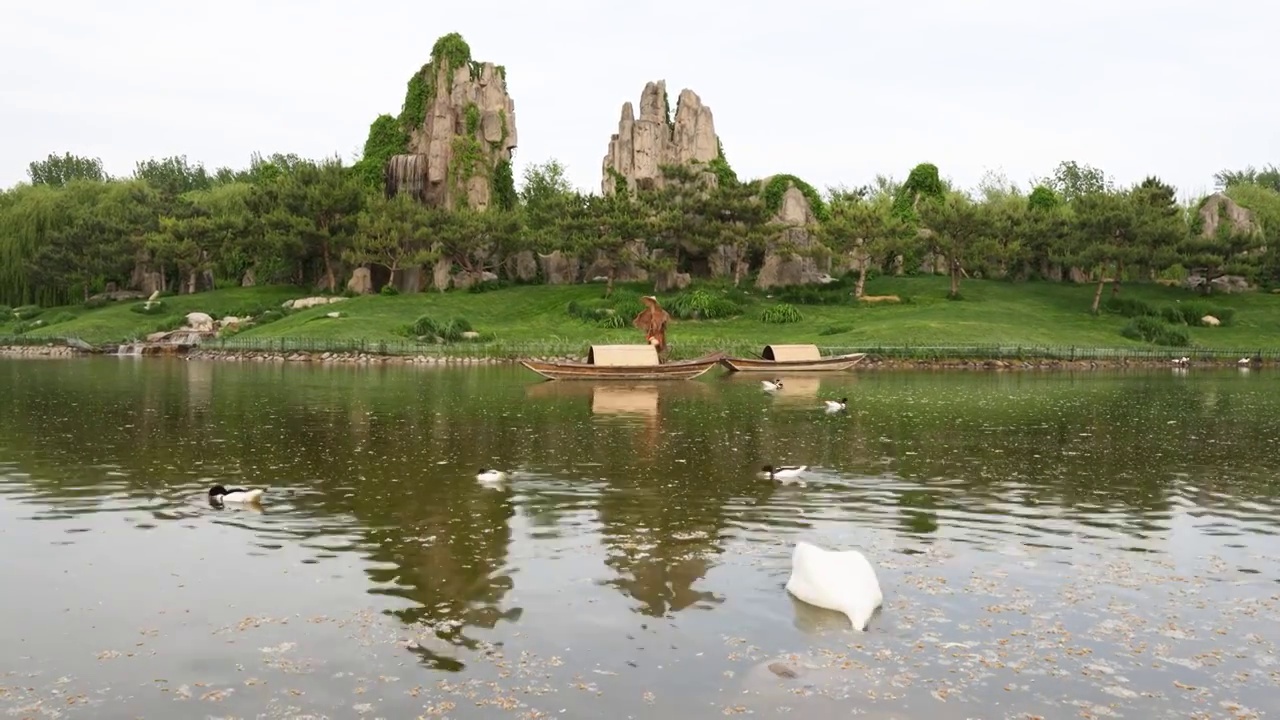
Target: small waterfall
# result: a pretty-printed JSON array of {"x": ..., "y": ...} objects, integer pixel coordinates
[{"x": 130, "y": 349}]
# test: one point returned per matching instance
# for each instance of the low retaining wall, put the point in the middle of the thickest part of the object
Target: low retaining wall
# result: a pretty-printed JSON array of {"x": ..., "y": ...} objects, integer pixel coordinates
[{"x": 871, "y": 362}]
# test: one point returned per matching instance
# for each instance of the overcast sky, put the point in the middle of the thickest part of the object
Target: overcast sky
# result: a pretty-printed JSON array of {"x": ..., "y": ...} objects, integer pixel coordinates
[{"x": 834, "y": 92}]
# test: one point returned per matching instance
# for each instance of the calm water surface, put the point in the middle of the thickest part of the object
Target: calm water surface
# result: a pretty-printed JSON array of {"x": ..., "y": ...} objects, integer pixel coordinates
[{"x": 1054, "y": 545}]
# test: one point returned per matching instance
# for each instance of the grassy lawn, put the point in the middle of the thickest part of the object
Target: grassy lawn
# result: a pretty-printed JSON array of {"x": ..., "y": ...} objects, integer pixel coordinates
[{"x": 992, "y": 312}]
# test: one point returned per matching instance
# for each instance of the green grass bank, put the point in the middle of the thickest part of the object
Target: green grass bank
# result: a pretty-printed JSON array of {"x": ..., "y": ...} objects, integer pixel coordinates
[{"x": 1024, "y": 317}]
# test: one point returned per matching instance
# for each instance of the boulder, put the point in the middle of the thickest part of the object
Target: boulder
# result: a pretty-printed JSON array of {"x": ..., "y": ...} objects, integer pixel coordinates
[
  {"x": 310, "y": 302},
  {"x": 200, "y": 322},
  {"x": 643, "y": 145},
  {"x": 361, "y": 281},
  {"x": 559, "y": 268}
]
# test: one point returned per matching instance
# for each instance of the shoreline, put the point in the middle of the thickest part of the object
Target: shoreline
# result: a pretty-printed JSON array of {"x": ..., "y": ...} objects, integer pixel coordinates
[{"x": 871, "y": 362}]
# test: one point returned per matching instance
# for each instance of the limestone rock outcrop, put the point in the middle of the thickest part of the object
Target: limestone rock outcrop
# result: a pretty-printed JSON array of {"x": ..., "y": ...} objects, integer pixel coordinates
[
  {"x": 642, "y": 145},
  {"x": 796, "y": 257},
  {"x": 461, "y": 125},
  {"x": 1218, "y": 208}
]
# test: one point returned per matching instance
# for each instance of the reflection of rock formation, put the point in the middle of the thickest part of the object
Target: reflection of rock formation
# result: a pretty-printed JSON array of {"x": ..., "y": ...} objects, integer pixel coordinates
[
  {"x": 452, "y": 570},
  {"x": 660, "y": 547}
]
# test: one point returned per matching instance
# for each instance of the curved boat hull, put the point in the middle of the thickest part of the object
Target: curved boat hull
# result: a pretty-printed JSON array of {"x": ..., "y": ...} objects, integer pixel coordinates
[{"x": 828, "y": 364}]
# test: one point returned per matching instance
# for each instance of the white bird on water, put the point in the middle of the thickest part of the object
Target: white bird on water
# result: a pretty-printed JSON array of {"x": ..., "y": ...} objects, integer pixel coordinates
[
  {"x": 837, "y": 405},
  {"x": 220, "y": 494},
  {"x": 489, "y": 475},
  {"x": 843, "y": 581},
  {"x": 783, "y": 472},
  {"x": 771, "y": 385}
]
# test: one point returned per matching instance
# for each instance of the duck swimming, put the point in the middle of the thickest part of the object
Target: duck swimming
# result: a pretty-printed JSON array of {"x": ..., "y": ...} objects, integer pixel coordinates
[
  {"x": 220, "y": 494},
  {"x": 771, "y": 385},
  {"x": 490, "y": 475},
  {"x": 783, "y": 472},
  {"x": 837, "y": 405}
]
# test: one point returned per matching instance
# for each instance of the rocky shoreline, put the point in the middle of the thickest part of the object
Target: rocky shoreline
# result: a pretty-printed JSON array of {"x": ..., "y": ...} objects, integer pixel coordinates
[{"x": 870, "y": 363}]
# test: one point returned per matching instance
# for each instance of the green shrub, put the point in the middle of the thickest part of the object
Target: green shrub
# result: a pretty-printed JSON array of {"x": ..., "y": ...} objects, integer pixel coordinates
[
  {"x": 781, "y": 314},
  {"x": 269, "y": 316},
  {"x": 616, "y": 312},
  {"x": 6, "y": 314},
  {"x": 703, "y": 305},
  {"x": 487, "y": 286},
  {"x": 1153, "y": 330},
  {"x": 448, "y": 330},
  {"x": 155, "y": 308},
  {"x": 1192, "y": 313},
  {"x": 61, "y": 317},
  {"x": 172, "y": 322},
  {"x": 835, "y": 329},
  {"x": 94, "y": 303},
  {"x": 1128, "y": 307},
  {"x": 389, "y": 289},
  {"x": 27, "y": 312}
]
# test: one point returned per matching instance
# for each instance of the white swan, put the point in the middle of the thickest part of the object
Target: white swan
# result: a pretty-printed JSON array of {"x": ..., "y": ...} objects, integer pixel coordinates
[
  {"x": 1243, "y": 361},
  {"x": 843, "y": 581},
  {"x": 488, "y": 475},
  {"x": 771, "y": 385},
  {"x": 837, "y": 405},
  {"x": 219, "y": 494}
]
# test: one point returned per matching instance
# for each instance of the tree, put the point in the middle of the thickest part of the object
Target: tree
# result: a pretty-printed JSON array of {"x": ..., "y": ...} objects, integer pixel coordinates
[
  {"x": 959, "y": 230},
  {"x": 1268, "y": 176},
  {"x": 1104, "y": 237},
  {"x": 869, "y": 228},
  {"x": 172, "y": 176},
  {"x": 59, "y": 170},
  {"x": 1072, "y": 180},
  {"x": 393, "y": 233}
]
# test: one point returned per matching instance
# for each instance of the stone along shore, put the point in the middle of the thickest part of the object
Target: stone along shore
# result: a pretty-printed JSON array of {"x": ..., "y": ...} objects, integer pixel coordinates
[{"x": 364, "y": 358}]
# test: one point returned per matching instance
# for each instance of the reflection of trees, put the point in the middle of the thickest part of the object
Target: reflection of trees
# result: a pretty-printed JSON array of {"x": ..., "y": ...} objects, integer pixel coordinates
[{"x": 363, "y": 447}]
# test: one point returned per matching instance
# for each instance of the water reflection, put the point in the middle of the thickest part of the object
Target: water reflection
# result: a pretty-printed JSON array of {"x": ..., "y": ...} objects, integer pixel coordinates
[{"x": 635, "y": 508}]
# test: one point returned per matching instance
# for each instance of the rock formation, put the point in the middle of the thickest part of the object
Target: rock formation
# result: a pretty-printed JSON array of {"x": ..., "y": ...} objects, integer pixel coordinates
[
  {"x": 796, "y": 257},
  {"x": 643, "y": 145},
  {"x": 461, "y": 129},
  {"x": 1218, "y": 208}
]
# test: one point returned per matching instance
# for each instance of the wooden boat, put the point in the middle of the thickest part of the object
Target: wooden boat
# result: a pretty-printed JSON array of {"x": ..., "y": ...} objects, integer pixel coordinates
[
  {"x": 794, "y": 358},
  {"x": 623, "y": 362}
]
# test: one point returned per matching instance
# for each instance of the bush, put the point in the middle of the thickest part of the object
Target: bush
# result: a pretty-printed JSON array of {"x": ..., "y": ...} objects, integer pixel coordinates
[
  {"x": 487, "y": 286},
  {"x": 94, "y": 303},
  {"x": 813, "y": 295},
  {"x": 616, "y": 312},
  {"x": 1191, "y": 313},
  {"x": 1128, "y": 307},
  {"x": 173, "y": 322},
  {"x": 448, "y": 330},
  {"x": 142, "y": 308},
  {"x": 835, "y": 329},
  {"x": 1153, "y": 330},
  {"x": 6, "y": 314},
  {"x": 781, "y": 314},
  {"x": 703, "y": 305},
  {"x": 269, "y": 316},
  {"x": 61, "y": 317},
  {"x": 27, "y": 312},
  {"x": 389, "y": 289}
]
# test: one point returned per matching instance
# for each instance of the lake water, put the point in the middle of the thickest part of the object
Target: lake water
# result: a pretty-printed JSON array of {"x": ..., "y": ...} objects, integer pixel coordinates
[{"x": 1054, "y": 545}]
